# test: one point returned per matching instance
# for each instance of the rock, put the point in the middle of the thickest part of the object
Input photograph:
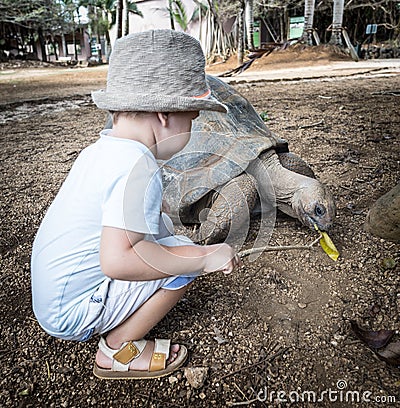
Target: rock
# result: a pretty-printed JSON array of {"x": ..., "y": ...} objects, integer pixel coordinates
[
  {"x": 383, "y": 219},
  {"x": 196, "y": 376},
  {"x": 172, "y": 380}
]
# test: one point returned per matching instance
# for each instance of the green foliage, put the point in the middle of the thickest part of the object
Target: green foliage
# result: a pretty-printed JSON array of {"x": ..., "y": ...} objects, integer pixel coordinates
[
  {"x": 50, "y": 16},
  {"x": 264, "y": 116},
  {"x": 133, "y": 8},
  {"x": 177, "y": 12},
  {"x": 201, "y": 9}
]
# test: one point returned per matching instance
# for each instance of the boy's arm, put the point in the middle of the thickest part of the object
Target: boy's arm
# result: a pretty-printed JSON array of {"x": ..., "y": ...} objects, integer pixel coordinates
[{"x": 125, "y": 255}]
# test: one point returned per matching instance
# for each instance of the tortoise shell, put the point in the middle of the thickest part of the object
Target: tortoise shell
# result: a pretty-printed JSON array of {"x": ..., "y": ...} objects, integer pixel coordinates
[{"x": 220, "y": 148}]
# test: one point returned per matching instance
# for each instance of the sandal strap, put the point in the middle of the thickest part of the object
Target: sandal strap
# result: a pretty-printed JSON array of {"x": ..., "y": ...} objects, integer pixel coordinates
[
  {"x": 160, "y": 355},
  {"x": 122, "y": 357}
]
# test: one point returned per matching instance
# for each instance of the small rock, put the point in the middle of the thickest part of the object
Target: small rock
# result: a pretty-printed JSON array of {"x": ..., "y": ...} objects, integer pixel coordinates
[
  {"x": 196, "y": 376},
  {"x": 172, "y": 379},
  {"x": 388, "y": 263},
  {"x": 302, "y": 305}
]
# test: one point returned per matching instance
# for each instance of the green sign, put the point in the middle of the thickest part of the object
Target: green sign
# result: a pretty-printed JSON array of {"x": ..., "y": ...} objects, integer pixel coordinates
[
  {"x": 296, "y": 27},
  {"x": 256, "y": 34}
]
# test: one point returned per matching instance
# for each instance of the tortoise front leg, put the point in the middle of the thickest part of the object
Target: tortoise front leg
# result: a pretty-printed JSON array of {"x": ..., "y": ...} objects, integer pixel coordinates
[{"x": 230, "y": 211}]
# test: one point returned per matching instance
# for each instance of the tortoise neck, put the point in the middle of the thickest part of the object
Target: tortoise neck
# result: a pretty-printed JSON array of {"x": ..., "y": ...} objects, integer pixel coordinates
[{"x": 269, "y": 171}]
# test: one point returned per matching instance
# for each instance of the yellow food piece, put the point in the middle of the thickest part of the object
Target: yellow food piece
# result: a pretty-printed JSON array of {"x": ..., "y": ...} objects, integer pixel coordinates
[{"x": 327, "y": 245}]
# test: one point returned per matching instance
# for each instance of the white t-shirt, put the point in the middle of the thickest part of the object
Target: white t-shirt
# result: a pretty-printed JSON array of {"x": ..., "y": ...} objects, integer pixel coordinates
[{"x": 114, "y": 182}]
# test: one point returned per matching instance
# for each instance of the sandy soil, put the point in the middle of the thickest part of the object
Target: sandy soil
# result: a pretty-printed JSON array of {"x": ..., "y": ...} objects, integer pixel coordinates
[{"x": 279, "y": 324}]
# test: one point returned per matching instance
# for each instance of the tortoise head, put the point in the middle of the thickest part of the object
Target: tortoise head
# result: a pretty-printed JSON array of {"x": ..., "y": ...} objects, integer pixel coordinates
[{"x": 313, "y": 205}]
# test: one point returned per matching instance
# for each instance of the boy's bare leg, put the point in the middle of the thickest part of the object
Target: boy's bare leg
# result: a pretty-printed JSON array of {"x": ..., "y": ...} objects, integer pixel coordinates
[{"x": 139, "y": 324}]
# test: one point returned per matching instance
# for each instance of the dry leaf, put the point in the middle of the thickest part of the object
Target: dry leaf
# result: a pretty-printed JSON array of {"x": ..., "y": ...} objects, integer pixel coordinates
[
  {"x": 218, "y": 336},
  {"x": 388, "y": 263},
  {"x": 373, "y": 339},
  {"x": 327, "y": 245},
  {"x": 391, "y": 353},
  {"x": 24, "y": 393}
]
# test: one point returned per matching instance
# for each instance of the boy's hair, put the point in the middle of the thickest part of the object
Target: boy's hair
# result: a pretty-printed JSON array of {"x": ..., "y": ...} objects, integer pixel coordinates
[
  {"x": 117, "y": 114},
  {"x": 157, "y": 71}
]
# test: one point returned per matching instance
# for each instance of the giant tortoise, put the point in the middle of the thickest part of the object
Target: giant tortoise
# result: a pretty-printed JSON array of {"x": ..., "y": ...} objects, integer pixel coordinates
[{"x": 234, "y": 164}]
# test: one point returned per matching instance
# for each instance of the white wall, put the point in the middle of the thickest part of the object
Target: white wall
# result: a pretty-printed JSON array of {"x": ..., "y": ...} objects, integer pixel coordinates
[{"x": 155, "y": 15}]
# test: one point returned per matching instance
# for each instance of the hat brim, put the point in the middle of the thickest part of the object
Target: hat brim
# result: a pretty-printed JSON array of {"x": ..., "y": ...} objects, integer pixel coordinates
[{"x": 146, "y": 103}]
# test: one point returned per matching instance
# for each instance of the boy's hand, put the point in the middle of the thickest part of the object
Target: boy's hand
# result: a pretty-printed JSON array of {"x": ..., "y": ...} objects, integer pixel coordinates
[{"x": 221, "y": 257}]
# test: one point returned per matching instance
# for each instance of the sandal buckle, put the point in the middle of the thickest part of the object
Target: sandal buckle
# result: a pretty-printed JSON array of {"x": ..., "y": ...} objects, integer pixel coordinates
[
  {"x": 127, "y": 353},
  {"x": 158, "y": 356},
  {"x": 158, "y": 362}
]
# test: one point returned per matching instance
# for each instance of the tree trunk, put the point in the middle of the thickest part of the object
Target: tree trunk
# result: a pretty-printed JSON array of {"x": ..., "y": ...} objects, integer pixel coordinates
[
  {"x": 285, "y": 33},
  {"x": 249, "y": 19},
  {"x": 63, "y": 45},
  {"x": 240, "y": 34},
  {"x": 308, "y": 21},
  {"x": 282, "y": 25},
  {"x": 336, "y": 38},
  {"x": 171, "y": 16},
  {"x": 126, "y": 16},
  {"x": 42, "y": 44},
  {"x": 74, "y": 41},
  {"x": 53, "y": 43},
  {"x": 107, "y": 36},
  {"x": 383, "y": 219},
  {"x": 33, "y": 44},
  {"x": 118, "y": 20},
  {"x": 98, "y": 37}
]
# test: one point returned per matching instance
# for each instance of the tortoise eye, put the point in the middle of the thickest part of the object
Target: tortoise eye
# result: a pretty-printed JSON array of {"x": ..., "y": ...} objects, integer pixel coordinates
[{"x": 319, "y": 210}]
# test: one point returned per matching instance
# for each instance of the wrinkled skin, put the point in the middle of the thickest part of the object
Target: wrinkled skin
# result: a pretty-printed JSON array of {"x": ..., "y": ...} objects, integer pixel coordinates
[
  {"x": 295, "y": 194},
  {"x": 314, "y": 205}
]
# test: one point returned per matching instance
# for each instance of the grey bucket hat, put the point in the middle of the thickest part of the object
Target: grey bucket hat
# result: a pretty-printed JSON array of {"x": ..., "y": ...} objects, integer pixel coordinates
[{"x": 157, "y": 71}]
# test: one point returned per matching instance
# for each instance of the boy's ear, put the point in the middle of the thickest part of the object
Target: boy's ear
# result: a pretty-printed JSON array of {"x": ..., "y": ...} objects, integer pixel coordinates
[{"x": 163, "y": 118}]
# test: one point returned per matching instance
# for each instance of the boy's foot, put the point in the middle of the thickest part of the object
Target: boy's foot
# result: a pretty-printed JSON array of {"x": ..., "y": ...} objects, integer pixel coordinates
[
  {"x": 140, "y": 363},
  {"x": 138, "y": 359}
]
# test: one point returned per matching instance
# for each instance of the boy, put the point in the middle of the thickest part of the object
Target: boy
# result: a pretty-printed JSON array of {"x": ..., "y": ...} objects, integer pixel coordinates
[{"x": 104, "y": 260}]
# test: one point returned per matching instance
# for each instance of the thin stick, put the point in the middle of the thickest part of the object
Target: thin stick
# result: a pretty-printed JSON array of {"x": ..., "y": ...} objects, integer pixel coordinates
[
  {"x": 48, "y": 369},
  {"x": 349, "y": 189},
  {"x": 312, "y": 125},
  {"x": 237, "y": 387},
  {"x": 266, "y": 360},
  {"x": 247, "y": 252}
]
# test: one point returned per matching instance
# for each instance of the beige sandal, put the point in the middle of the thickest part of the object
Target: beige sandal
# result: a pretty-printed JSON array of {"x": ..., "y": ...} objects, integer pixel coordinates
[{"x": 133, "y": 349}]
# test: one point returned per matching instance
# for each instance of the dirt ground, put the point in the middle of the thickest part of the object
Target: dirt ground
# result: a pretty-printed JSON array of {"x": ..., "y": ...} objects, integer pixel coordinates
[
  {"x": 295, "y": 56},
  {"x": 273, "y": 332}
]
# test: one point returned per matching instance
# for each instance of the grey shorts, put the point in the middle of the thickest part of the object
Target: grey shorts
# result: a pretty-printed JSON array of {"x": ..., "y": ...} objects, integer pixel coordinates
[{"x": 115, "y": 300}]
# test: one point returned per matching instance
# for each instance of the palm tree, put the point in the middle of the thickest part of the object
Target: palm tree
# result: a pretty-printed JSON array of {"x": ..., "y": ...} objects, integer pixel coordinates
[
  {"x": 308, "y": 21},
  {"x": 118, "y": 7},
  {"x": 125, "y": 16},
  {"x": 240, "y": 31},
  {"x": 177, "y": 12},
  {"x": 249, "y": 21},
  {"x": 337, "y": 20},
  {"x": 111, "y": 12}
]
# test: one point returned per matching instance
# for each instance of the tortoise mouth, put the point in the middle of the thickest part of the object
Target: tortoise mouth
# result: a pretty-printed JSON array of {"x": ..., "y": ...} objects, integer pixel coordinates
[{"x": 312, "y": 222}]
